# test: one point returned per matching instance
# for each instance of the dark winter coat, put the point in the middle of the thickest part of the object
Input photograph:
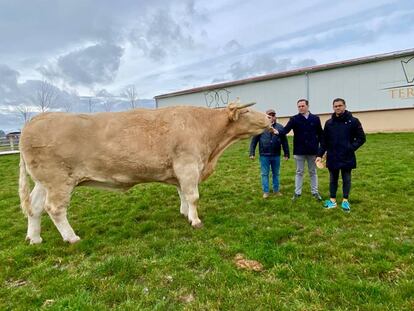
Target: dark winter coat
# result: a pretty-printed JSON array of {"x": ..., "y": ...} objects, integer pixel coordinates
[
  {"x": 269, "y": 143},
  {"x": 342, "y": 136},
  {"x": 307, "y": 133}
]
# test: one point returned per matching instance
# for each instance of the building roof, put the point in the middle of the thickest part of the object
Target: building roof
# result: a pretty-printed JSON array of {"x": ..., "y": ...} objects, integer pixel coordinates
[{"x": 345, "y": 63}]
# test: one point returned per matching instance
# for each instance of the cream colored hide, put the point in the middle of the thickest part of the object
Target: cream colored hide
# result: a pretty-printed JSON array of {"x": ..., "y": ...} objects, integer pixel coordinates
[{"x": 175, "y": 145}]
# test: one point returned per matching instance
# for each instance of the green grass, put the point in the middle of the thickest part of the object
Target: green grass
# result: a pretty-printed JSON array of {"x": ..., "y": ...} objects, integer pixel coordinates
[{"x": 138, "y": 253}]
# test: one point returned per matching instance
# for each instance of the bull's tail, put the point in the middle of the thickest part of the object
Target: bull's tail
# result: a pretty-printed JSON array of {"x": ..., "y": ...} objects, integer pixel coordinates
[{"x": 24, "y": 189}]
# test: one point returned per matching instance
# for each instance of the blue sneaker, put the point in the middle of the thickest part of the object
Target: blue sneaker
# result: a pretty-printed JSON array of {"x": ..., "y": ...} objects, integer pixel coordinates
[
  {"x": 329, "y": 204},
  {"x": 346, "y": 207}
]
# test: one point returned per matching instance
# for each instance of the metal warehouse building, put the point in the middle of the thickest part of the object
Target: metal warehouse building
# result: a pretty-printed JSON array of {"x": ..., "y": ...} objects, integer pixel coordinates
[{"x": 378, "y": 89}]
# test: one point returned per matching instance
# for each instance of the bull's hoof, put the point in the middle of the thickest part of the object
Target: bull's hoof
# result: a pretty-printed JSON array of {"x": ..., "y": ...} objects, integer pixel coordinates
[
  {"x": 72, "y": 240},
  {"x": 197, "y": 225},
  {"x": 34, "y": 240}
]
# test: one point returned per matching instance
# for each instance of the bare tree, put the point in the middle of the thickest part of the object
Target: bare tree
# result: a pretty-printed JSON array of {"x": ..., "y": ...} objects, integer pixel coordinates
[
  {"x": 45, "y": 96},
  {"x": 68, "y": 102},
  {"x": 107, "y": 104},
  {"x": 75, "y": 100},
  {"x": 24, "y": 112},
  {"x": 67, "y": 105},
  {"x": 131, "y": 94},
  {"x": 91, "y": 104}
]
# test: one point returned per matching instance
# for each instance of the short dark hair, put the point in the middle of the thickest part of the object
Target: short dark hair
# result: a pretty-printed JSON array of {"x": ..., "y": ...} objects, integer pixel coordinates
[
  {"x": 303, "y": 100},
  {"x": 339, "y": 100}
]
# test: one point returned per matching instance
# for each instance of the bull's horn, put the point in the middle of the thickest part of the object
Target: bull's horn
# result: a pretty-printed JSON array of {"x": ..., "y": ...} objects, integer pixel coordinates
[{"x": 245, "y": 105}]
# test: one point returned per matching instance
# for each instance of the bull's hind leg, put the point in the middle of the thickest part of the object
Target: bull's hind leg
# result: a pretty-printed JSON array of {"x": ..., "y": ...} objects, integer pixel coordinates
[
  {"x": 57, "y": 200},
  {"x": 184, "y": 204},
  {"x": 37, "y": 200}
]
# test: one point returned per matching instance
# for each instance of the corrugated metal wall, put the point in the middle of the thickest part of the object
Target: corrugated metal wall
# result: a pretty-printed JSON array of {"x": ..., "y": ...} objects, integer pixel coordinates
[{"x": 370, "y": 86}]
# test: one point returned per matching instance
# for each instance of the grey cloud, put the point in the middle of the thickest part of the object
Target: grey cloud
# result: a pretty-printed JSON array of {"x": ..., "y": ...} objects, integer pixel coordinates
[
  {"x": 232, "y": 45},
  {"x": 103, "y": 93},
  {"x": 63, "y": 23},
  {"x": 8, "y": 76},
  {"x": 13, "y": 94},
  {"x": 328, "y": 34},
  {"x": 162, "y": 34},
  {"x": 8, "y": 84},
  {"x": 189, "y": 77},
  {"x": 10, "y": 121},
  {"x": 355, "y": 29},
  {"x": 218, "y": 80},
  {"x": 95, "y": 64},
  {"x": 263, "y": 64},
  {"x": 61, "y": 98},
  {"x": 308, "y": 62},
  {"x": 157, "y": 53},
  {"x": 113, "y": 104},
  {"x": 194, "y": 13}
]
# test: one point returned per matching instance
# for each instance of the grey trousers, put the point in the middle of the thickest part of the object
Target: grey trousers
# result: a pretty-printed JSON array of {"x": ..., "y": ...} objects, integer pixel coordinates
[{"x": 300, "y": 171}]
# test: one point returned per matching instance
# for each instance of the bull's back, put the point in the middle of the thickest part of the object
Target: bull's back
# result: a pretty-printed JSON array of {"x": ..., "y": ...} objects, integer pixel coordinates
[{"x": 125, "y": 147}]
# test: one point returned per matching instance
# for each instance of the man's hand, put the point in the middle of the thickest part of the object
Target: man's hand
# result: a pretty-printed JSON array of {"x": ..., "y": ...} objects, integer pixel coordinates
[
  {"x": 319, "y": 163},
  {"x": 275, "y": 131},
  {"x": 286, "y": 158},
  {"x": 251, "y": 157}
]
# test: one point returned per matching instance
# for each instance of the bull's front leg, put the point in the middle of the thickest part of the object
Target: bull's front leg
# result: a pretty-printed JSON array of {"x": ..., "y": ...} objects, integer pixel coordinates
[
  {"x": 188, "y": 177},
  {"x": 192, "y": 198},
  {"x": 183, "y": 204}
]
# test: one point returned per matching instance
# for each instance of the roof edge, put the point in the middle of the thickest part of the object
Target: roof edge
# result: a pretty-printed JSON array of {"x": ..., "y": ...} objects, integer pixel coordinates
[{"x": 283, "y": 74}]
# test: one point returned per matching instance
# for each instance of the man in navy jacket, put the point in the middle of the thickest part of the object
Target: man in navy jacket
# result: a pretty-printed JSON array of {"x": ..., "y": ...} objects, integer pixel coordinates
[
  {"x": 270, "y": 145},
  {"x": 307, "y": 132},
  {"x": 342, "y": 136}
]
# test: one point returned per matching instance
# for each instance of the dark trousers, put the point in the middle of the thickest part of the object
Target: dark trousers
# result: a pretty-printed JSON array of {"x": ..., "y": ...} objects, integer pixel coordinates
[{"x": 346, "y": 182}]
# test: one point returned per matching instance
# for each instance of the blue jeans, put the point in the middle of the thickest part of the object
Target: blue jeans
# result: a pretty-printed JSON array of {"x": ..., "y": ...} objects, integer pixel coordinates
[{"x": 267, "y": 162}]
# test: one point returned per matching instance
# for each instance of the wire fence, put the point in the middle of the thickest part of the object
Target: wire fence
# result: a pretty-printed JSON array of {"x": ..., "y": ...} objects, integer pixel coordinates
[{"x": 9, "y": 145}]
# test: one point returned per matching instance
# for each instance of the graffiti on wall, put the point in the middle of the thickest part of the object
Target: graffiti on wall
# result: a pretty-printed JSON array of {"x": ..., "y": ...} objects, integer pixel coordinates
[{"x": 217, "y": 98}]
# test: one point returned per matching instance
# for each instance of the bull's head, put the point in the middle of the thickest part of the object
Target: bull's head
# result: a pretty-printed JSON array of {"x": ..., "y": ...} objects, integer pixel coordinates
[
  {"x": 249, "y": 122},
  {"x": 235, "y": 108}
]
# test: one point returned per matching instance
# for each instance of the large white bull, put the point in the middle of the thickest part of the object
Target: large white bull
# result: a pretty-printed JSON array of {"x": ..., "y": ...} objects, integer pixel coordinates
[{"x": 176, "y": 145}]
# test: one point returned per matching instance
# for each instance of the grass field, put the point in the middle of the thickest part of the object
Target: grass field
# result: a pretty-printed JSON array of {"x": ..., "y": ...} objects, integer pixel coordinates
[{"x": 138, "y": 253}]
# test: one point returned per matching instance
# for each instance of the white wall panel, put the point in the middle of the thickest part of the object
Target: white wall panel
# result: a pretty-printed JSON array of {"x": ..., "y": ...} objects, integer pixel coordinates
[{"x": 370, "y": 86}]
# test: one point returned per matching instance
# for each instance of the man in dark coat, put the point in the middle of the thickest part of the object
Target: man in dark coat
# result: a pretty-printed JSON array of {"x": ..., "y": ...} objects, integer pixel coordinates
[
  {"x": 307, "y": 130},
  {"x": 270, "y": 145},
  {"x": 342, "y": 136}
]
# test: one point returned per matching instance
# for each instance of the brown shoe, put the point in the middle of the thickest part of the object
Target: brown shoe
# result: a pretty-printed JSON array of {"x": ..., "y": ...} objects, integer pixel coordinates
[
  {"x": 265, "y": 195},
  {"x": 278, "y": 194}
]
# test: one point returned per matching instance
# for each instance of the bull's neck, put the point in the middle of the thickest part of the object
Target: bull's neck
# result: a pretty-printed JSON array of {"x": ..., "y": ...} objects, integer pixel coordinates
[{"x": 225, "y": 136}]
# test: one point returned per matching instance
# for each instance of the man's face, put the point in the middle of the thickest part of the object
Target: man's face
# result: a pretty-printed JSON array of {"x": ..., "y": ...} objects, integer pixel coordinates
[
  {"x": 272, "y": 117},
  {"x": 302, "y": 107},
  {"x": 339, "y": 107}
]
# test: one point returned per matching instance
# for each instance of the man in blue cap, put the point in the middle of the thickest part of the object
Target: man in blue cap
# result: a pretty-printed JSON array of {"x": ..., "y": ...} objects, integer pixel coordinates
[{"x": 270, "y": 145}]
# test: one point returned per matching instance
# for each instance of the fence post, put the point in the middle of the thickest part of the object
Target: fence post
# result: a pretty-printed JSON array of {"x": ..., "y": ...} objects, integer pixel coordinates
[{"x": 11, "y": 143}]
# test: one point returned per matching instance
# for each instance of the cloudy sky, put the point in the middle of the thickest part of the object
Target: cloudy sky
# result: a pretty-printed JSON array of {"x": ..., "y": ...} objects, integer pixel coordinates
[{"x": 85, "y": 48}]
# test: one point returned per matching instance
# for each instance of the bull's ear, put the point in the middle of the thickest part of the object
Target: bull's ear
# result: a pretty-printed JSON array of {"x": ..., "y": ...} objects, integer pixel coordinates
[{"x": 233, "y": 111}]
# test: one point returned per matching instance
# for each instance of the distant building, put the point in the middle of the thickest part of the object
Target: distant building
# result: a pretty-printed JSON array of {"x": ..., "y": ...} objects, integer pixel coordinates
[
  {"x": 378, "y": 89},
  {"x": 9, "y": 143},
  {"x": 13, "y": 135}
]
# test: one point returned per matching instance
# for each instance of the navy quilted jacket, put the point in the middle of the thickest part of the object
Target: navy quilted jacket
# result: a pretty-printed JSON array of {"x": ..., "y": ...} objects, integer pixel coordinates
[
  {"x": 269, "y": 143},
  {"x": 342, "y": 136},
  {"x": 307, "y": 133}
]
